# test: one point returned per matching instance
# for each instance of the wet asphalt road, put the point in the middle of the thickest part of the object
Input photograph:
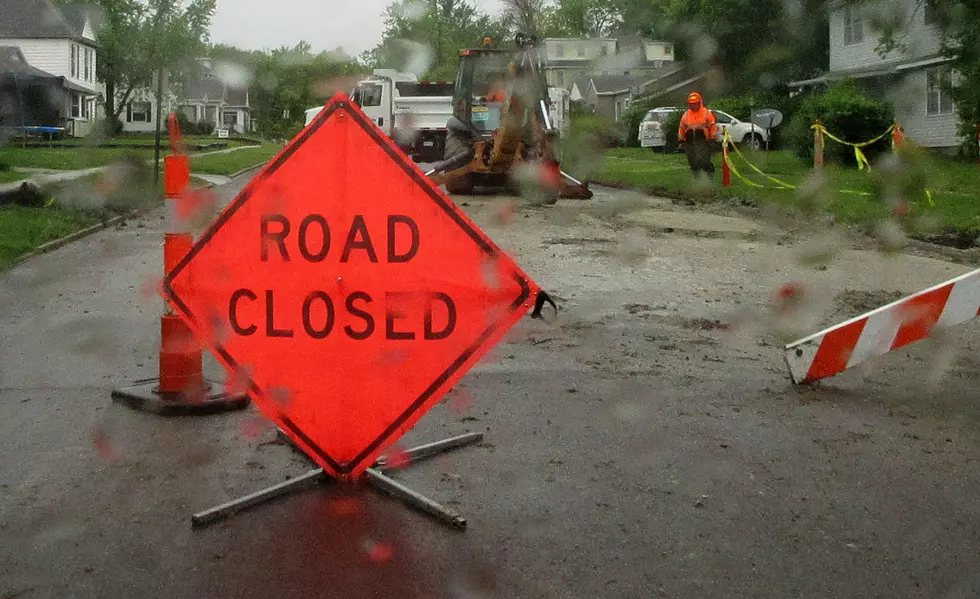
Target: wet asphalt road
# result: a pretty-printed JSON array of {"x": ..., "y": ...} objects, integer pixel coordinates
[{"x": 634, "y": 448}]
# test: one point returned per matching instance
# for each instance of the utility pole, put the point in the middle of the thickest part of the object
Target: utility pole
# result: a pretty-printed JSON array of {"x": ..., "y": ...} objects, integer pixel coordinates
[
  {"x": 159, "y": 95},
  {"x": 156, "y": 152}
]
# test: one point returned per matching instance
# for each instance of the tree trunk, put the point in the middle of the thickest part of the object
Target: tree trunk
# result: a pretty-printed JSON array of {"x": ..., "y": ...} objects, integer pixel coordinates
[
  {"x": 122, "y": 102},
  {"x": 110, "y": 105}
]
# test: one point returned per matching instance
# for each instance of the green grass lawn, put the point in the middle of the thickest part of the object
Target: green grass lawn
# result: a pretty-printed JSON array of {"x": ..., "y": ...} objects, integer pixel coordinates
[
  {"x": 67, "y": 158},
  {"x": 23, "y": 229},
  {"x": 232, "y": 162},
  {"x": 853, "y": 196},
  {"x": 83, "y": 156},
  {"x": 11, "y": 176}
]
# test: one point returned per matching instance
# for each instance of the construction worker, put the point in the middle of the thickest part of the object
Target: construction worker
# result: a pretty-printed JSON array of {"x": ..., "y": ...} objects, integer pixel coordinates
[{"x": 697, "y": 131}]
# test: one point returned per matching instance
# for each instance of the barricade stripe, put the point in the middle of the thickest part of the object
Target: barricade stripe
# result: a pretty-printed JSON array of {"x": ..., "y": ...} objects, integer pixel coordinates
[
  {"x": 876, "y": 337},
  {"x": 835, "y": 351},
  {"x": 963, "y": 303},
  {"x": 920, "y": 314}
]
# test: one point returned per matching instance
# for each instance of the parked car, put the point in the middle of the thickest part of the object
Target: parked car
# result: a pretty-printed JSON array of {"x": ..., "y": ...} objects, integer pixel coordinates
[
  {"x": 745, "y": 134},
  {"x": 652, "y": 135}
]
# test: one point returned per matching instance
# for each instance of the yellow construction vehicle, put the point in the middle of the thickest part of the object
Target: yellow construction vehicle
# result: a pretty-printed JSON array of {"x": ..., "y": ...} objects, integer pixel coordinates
[{"x": 501, "y": 123}]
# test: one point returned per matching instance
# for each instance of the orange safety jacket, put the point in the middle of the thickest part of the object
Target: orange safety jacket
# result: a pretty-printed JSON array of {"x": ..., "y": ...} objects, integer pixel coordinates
[{"x": 702, "y": 118}]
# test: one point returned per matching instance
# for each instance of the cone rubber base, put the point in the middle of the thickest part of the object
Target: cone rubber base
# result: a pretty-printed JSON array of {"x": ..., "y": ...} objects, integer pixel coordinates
[{"x": 143, "y": 395}]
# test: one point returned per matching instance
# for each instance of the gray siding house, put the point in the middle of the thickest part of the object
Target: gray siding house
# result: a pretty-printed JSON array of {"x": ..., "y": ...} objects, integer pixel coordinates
[{"x": 909, "y": 77}]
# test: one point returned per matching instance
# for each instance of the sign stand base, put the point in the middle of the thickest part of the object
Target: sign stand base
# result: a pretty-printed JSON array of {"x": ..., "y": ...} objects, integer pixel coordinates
[{"x": 375, "y": 476}]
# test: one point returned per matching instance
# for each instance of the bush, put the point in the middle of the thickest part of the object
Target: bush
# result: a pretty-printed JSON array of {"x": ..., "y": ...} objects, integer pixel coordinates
[
  {"x": 110, "y": 126},
  {"x": 205, "y": 128},
  {"x": 670, "y": 126},
  {"x": 846, "y": 114}
]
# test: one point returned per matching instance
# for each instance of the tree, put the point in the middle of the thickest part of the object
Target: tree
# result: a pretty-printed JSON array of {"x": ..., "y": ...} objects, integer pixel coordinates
[
  {"x": 138, "y": 37},
  {"x": 285, "y": 82},
  {"x": 528, "y": 16},
  {"x": 592, "y": 18},
  {"x": 425, "y": 37}
]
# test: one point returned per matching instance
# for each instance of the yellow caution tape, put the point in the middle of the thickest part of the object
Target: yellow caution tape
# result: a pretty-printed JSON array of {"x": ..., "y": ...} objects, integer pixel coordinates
[
  {"x": 727, "y": 139},
  {"x": 858, "y": 154},
  {"x": 929, "y": 197},
  {"x": 49, "y": 202}
]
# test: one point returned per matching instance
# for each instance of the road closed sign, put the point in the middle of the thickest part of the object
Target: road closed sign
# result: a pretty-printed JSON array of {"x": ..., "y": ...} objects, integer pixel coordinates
[{"x": 346, "y": 291}]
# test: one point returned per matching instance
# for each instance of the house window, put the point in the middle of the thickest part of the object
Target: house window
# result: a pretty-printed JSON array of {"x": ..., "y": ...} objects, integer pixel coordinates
[
  {"x": 853, "y": 26},
  {"x": 938, "y": 98},
  {"x": 74, "y": 61},
  {"x": 560, "y": 50},
  {"x": 80, "y": 107},
  {"x": 560, "y": 78},
  {"x": 140, "y": 112},
  {"x": 230, "y": 119},
  {"x": 581, "y": 49},
  {"x": 88, "y": 64}
]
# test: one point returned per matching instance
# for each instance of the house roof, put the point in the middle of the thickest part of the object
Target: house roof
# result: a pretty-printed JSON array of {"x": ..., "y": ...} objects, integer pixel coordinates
[
  {"x": 614, "y": 84},
  {"x": 76, "y": 16},
  {"x": 204, "y": 83},
  {"x": 32, "y": 19},
  {"x": 884, "y": 68},
  {"x": 12, "y": 62}
]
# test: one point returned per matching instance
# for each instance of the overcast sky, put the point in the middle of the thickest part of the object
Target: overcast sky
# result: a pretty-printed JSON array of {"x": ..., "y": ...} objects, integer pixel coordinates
[{"x": 354, "y": 25}]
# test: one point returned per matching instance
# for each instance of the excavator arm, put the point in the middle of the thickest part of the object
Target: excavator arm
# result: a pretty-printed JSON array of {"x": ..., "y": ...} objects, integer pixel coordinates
[{"x": 524, "y": 135}]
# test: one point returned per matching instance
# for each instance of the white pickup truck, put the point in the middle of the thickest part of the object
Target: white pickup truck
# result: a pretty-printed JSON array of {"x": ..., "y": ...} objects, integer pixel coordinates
[{"x": 413, "y": 113}]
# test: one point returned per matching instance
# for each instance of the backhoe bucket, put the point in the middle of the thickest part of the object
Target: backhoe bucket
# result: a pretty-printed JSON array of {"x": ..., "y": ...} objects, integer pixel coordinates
[{"x": 573, "y": 189}]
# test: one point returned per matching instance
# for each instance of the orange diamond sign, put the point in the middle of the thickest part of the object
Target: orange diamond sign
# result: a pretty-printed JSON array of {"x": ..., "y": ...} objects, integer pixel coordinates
[{"x": 346, "y": 291}]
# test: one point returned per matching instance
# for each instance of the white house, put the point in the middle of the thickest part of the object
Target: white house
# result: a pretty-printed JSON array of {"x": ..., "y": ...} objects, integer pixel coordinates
[
  {"x": 139, "y": 114},
  {"x": 207, "y": 94},
  {"x": 568, "y": 60},
  {"x": 218, "y": 96},
  {"x": 60, "y": 41},
  {"x": 908, "y": 77}
]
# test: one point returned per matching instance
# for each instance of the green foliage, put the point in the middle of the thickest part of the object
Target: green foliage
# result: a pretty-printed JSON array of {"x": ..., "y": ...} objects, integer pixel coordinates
[
  {"x": 425, "y": 39},
  {"x": 846, "y": 114},
  {"x": 285, "y": 82},
  {"x": 754, "y": 44}
]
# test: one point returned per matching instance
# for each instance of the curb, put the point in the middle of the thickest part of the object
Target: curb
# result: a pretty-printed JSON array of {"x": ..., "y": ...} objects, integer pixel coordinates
[
  {"x": 57, "y": 243},
  {"x": 63, "y": 241},
  {"x": 245, "y": 170}
]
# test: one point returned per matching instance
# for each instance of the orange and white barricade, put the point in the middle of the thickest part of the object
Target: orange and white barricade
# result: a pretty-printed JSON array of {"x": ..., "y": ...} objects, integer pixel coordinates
[{"x": 888, "y": 328}]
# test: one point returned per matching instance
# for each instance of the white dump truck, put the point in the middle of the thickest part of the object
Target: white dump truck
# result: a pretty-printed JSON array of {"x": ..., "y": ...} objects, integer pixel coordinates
[{"x": 414, "y": 113}]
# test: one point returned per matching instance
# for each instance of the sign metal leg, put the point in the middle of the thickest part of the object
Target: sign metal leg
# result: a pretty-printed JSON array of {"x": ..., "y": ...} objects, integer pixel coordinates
[
  {"x": 234, "y": 506},
  {"x": 395, "y": 489},
  {"x": 375, "y": 476}
]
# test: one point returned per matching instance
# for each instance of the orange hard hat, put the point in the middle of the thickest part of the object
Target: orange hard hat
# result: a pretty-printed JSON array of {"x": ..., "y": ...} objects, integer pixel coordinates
[{"x": 694, "y": 98}]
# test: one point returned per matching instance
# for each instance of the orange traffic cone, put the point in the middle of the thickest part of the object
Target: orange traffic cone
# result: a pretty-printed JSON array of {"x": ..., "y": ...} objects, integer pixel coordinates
[{"x": 180, "y": 387}]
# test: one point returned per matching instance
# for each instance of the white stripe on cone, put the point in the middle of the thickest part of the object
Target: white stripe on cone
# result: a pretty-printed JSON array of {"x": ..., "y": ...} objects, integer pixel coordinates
[{"x": 821, "y": 355}]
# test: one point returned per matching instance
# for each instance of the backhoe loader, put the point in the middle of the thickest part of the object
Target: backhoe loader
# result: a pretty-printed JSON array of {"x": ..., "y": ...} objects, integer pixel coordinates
[{"x": 501, "y": 124}]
